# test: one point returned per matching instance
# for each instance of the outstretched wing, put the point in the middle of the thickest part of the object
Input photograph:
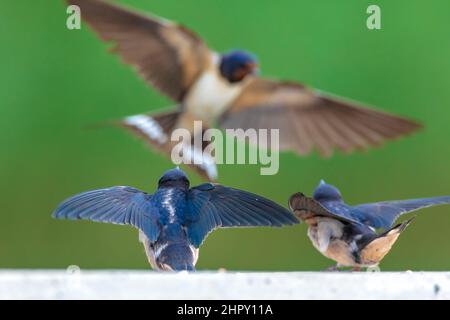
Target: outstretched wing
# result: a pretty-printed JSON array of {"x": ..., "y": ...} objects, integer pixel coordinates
[
  {"x": 306, "y": 208},
  {"x": 384, "y": 214},
  {"x": 167, "y": 55},
  {"x": 308, "y": 118},
  {"x": 118, "y": 205},
  {"x": 212, "y": 206}
]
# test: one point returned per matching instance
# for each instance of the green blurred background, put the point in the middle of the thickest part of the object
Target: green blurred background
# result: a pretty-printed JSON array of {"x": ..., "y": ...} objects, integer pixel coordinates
[{"x": 54, "y": 81}]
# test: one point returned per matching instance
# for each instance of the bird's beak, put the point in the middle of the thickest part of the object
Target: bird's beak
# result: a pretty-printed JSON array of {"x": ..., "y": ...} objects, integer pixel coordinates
[{"x": 253, "y": 68}]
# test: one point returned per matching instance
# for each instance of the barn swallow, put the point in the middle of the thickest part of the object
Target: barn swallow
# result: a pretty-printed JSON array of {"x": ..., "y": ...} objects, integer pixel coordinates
[
  {"x": 224, "y": 89},
  {"x": 174, "y": 221},
  {"x": 347, "y": 234}
]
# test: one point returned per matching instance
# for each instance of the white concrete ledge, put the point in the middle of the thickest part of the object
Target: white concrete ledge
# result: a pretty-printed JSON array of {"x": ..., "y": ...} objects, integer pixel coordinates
[{"x": 50, "y": 284}]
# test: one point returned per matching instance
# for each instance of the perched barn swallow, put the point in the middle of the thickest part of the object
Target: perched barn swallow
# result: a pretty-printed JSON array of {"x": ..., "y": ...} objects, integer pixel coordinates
[
  {"x": 225, "y": 90},
  {"x": 346, "y": 234},
  {"x": 174, "y": 221}
]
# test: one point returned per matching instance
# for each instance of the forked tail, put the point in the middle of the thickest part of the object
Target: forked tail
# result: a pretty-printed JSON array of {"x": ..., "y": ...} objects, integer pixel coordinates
[{"x": 156, "y": 129}]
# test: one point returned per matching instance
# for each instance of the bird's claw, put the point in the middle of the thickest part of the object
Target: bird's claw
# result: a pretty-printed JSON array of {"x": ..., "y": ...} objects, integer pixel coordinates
[{"x": 332, "y": 268}]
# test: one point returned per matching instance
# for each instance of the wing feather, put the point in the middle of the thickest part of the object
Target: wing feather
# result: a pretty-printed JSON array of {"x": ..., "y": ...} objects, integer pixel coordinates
[
  {"x": 167, "y": 55},
  {"x": 308, "y": 118}
]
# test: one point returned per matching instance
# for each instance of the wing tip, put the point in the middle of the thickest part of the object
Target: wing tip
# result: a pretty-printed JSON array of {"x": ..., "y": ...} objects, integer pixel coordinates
[
  {"x": 407, "y": 223},
  {"x": 293, "y": 220},
  {"x": 59, "y": 214},
  {"x": 55, "y": 214}
]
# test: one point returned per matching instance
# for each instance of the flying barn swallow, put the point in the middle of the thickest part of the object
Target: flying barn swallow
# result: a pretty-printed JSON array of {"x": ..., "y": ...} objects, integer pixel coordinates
[
  {"x": 224, "y": 90},
  {"x": 346, "y": 234},
  {"x": 174, "y": 221}
]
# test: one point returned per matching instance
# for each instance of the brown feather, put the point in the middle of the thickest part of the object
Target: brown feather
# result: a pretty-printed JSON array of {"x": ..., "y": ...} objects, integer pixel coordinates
[
  {"x": 307, "y": 118},
  {"x": 167, "y": 121},
  {"x": 168, "y": 56},
  {"x": 306, "y": 208},
  {"x": 301, "y": 142}
]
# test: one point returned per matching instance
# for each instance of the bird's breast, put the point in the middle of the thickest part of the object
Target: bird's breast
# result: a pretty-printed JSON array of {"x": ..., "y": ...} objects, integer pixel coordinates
[
  {"x": 342, "y": 252},
  {"x": 330, "y": 237},
  {"x": 211, "y": 95},
  {"x": 324, "y": 231}
]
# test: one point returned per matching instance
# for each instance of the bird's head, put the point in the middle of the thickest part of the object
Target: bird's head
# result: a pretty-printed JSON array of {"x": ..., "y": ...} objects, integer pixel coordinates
[
  {"x": 326, "y": 192},
  {"x": 174, "y": 178},
  {"x": 236, "y": 65}
]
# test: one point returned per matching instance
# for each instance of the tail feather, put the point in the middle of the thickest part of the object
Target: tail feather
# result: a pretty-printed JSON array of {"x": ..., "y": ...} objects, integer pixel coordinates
[
  {"x": 380, "y": 246},
  {"x": 399, "y": 228},
  {"x": 176, "y": 257},
  {"x": 156, "y": 129},
  {"x": 153, "y": 128}
]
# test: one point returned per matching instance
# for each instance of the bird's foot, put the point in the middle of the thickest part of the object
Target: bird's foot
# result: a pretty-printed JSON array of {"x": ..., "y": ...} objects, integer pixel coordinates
[
  {"x": 332, "y": 268},
  {"x": 356, "y": 269}
]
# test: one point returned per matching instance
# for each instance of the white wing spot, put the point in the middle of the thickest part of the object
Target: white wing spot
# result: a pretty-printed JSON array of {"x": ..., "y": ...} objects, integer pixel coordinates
[
  {"x": 148, "y": 126},
  {"x": 159, "y": 250}
]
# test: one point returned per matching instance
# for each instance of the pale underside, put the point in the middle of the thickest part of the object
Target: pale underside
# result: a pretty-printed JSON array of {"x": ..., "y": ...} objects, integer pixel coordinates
[
  {"x": 211, "y": 95},
  {"x": 326, "y": 235}
]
